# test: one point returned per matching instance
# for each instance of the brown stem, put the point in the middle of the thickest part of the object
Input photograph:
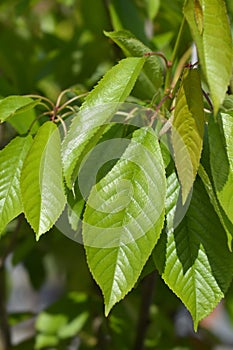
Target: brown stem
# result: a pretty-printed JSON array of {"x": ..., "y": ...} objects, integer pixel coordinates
[
  {"x": 144, "y": 314},
  {"x": 160, "y": 54},
  {"x": 208, "y": 99},
  {"x": 154, "y": 116}
]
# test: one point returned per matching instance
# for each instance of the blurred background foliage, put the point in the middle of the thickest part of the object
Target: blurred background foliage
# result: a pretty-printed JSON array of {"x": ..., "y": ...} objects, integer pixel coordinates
[{"x": 48, "y": 46}]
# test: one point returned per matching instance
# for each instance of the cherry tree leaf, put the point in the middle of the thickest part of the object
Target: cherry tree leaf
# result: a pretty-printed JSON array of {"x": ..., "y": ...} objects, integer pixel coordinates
[
  {"x": 41, "y": 181},
  {"x": 227, "y": 224},
  {"x": 190, "y": 257},
  {"x": 151, "y": 76},
  {"x": 227, "y": 124},
  {"x": 211, "y": 31},
  {"x": 124, "y": 217},
  {"x": 11, "y": 163},
  {"x": 221, "y": 162},
  {"x": 188, "y": 129},
  {"x": 15, "y": 104},
  {"x": 97, "y": 111}
]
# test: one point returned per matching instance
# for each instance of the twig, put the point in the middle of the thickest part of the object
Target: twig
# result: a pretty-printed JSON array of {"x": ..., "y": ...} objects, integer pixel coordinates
[
  {"x": 154, "y": 116},
  {"x": 144, "y": 314},
  {"x": 160, "y": 54},
  {"x": 208, "y": 99}
]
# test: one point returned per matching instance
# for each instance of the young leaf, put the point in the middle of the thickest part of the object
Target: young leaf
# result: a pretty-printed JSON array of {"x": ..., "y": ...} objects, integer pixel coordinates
[
  {"x": 15, "y": 104},
  {"x": 41, "y": 181},
  {"x": 212, "y": 35},
  {"x": 97, "y": 111},
  {"x": 190, "y": 258},
  {"x": 11, "y": 163},
  {"x": 222, "y": 172},
  {"x": 151, "y": 77},
  {"x": 124, "y": 217},
  {"x": 188, "y": 129}
]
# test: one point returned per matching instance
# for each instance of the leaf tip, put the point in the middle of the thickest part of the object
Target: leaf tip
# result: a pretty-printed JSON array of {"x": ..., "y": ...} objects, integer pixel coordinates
[
  {"x": 106, "y": 311},
  {"x": 229, "y": 243},
  {"x": 195, "y": 325}
]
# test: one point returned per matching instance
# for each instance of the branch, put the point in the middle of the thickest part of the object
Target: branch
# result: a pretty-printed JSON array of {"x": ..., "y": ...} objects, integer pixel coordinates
[{"x": 144, "y": 314}]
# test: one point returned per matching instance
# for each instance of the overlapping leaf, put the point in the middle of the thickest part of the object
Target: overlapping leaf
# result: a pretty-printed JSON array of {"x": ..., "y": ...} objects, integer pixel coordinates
[
  {"x": 188, "y": 129},
  {"x": 194, "y": 259},
  {"x": 97, "y": 111},
  {"x": 227, "y": 224},
  {"x": 211, "y": 32},
  {"x": 151, "y": 77},
  {"x": 227, "y": 124},
  {"x": 221, "y": 169},
  {"x": 11, "y": 163},
  {"x": 124, "y": 217},
  {"x": 41, "y": 181}
]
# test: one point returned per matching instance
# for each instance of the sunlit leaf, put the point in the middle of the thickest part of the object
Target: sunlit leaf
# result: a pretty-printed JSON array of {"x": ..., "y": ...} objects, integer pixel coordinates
[
  {"x": 97, "y": 111},
  {"x": 11, "y": 163},
  {"x": 191, "y": 259},
  {"x": 124, "y": 217},
  {"x": 210, "y": 28},
  {"x": 41, "y": 182},
  {"x": 188, "y": 129},
  {"x": 151, "y": 77}
]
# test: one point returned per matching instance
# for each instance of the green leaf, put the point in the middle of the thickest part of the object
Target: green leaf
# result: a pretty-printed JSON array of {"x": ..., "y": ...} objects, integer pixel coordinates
[
  {"x": 151, "y": 77},
  {"x": 51, "y": 323},
  {"x": 46, "y": 340},
  {"x": 15, "y": 104},
  {"x": 228, "y": 226},
  {"x": 41, "y": 182},
  {"x": 210, "y": 28},
  {"x": 152, "y": 7},
  {"x": 76, "y": 199},
  {"x": 188, "y": 129},
  {"x": 220, "y": 167},
  {"x": 74, "y": 327},
  {"x": 11, "y": 163},
  {"x": 124, "y": 217},
  {"x": 194, "y": 259},
  {"x": 22, "y": 121},
  {"x": 97, "y": 111},
  {"x": 198, "y": 13},
  {"x": 227, "y": 124},
  {"x": 63, "y": 319}
]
